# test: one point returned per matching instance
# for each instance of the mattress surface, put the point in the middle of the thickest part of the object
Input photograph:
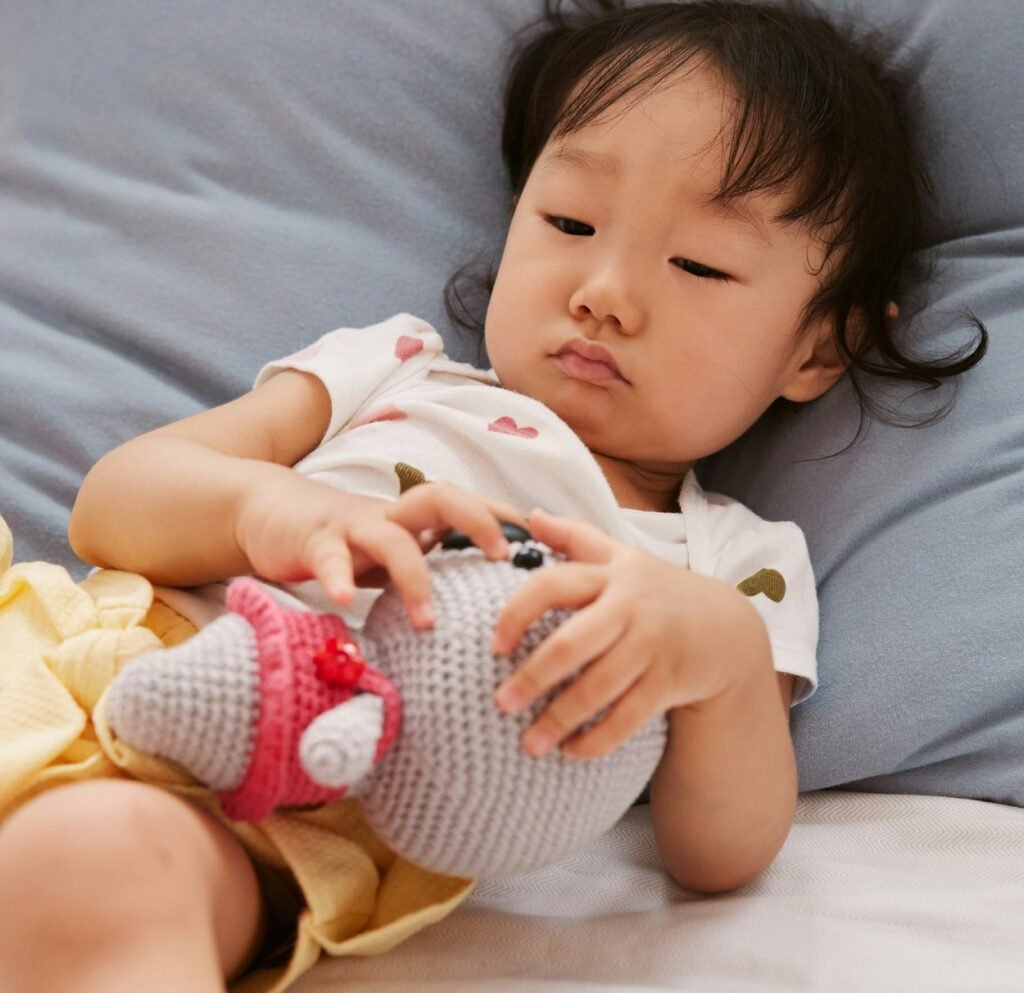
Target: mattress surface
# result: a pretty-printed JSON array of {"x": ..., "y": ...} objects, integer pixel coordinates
[{"x": 871, "y": 892}]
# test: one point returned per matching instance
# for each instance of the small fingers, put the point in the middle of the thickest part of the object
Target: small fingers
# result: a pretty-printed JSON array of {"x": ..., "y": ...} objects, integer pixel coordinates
[
  {"x": 328, "y": 559},
  {"x": 564, "y": 585},
  {"x": 398, "y": 553},
  {"x": 577, "y": 642},
  {"x": 439, "y": 505},
  {"x": 506, "y": 512},
  {"x": 578, "y": 541},
  {"x": 628, "y": 715},
  {"x": 596, "y": 689}
]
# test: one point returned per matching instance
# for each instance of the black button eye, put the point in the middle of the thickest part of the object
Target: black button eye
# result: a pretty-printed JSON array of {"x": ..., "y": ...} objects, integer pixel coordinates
[
  {"x": 528, "y": 558},
  {"x": 457, "y": 540},
  {"x": 513, "y": 532}
]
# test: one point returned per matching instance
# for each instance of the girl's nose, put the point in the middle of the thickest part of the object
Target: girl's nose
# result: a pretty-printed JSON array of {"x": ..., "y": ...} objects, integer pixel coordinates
[{"x": 608, "y": 295}]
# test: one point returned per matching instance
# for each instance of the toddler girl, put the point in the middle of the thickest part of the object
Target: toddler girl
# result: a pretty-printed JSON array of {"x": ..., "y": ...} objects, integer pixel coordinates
[{"x": 715, "y": 207}]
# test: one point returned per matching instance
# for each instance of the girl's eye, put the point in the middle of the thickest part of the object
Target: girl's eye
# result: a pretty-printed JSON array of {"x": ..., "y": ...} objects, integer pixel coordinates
[
  {"x": 699, "y": 270},
  {"x": 568, "y": 226}
]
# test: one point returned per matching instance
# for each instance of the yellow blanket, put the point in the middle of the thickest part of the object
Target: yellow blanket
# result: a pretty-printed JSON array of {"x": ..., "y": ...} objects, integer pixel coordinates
[{"x": 60, "y": 645}]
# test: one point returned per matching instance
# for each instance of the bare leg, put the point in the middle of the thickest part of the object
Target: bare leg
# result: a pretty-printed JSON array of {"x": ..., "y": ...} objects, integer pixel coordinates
[{"x": 116, "y": 886}]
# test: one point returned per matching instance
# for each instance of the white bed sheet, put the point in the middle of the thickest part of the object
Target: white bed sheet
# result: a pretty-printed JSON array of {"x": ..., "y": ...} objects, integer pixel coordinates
[{"x": 871, "y": 893}]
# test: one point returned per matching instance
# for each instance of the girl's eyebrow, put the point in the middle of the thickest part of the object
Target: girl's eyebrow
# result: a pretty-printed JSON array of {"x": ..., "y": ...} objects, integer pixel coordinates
[
  {"x": 596, "y": 163},
  {"x": 736, "y": 210}
]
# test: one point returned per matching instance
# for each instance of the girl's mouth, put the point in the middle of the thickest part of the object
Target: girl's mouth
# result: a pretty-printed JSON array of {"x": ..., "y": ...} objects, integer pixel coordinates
[{"x": 589, "y": 362}]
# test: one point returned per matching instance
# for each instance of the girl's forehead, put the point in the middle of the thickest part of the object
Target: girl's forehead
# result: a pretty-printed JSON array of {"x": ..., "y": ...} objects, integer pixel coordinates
[
  {"x": 597, "y": 100},
  {"x": 691, "y": 109},
  {"x": 682, "y": 131},
  {"x": 679, "y": 132}
]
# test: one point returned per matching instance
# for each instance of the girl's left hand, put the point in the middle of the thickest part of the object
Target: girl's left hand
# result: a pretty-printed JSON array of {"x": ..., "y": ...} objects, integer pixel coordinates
[{"x": 648, "y": 635}]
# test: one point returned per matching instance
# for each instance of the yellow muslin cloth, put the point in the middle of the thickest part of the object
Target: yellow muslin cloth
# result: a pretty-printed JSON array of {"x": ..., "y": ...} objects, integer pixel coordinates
[{"x": 62, "y": 642}]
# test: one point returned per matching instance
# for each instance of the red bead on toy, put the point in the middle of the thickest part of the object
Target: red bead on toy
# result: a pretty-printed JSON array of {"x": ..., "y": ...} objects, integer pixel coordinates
[{"x": 340, "y": 662}]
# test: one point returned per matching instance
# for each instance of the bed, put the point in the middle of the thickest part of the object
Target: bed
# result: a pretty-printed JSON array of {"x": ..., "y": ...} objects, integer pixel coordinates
[
  {"x": 871, "y": 892},
  {"x": 188, "y": 188}
]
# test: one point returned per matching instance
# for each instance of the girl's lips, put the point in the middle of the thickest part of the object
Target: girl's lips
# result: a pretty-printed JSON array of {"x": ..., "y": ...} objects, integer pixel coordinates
[
  {"x": 589, "y": 370},
  {"x": 588, "y": 361}
]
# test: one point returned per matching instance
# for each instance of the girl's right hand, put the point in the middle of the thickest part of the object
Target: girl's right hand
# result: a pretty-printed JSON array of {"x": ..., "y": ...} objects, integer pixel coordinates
[{"x": 295, "y": 529}]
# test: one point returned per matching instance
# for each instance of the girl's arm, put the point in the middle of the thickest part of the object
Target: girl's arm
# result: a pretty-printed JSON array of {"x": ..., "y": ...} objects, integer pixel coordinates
[
  {"x": 724, "y": 795},
  {"x": 214, "y": 496},
  {"x": 652, "y": 637},
  {"x": 165, "y": 504}
]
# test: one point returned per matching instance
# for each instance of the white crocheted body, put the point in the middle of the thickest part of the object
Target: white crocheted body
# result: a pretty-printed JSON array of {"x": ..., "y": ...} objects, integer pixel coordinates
[
  {"x": 196, "y": 704},
  {"x": 458, "y": 794}
]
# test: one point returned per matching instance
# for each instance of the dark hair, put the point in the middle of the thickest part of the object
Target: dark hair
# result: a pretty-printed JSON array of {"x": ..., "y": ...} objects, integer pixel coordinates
[{"x": 823, "y": 117}]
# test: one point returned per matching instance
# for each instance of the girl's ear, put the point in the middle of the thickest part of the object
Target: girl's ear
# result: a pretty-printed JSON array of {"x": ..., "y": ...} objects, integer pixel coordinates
[{"x": 818, "y": 366}]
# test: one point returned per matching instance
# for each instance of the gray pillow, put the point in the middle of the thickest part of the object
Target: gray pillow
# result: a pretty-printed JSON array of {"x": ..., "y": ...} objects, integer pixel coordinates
[
  {"x": 917, "y": 536},
  {"x": 188, "y": 189}
]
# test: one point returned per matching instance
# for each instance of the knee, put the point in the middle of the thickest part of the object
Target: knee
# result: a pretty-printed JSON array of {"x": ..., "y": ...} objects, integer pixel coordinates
[{"x": 98, "y": 855}]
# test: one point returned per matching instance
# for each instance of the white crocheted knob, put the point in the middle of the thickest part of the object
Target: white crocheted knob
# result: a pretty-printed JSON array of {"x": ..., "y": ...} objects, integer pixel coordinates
[{"x": 338, "y": 747}]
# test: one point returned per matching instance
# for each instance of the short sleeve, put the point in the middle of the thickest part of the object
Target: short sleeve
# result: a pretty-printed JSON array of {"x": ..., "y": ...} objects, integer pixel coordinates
[
  {"x": 358, "y": 364},
  {"x": 768, "y": 562}
]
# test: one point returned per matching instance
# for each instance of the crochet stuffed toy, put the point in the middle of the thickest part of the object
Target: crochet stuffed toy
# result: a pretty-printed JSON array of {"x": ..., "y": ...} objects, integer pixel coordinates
[{"x": 274, "y": 707}]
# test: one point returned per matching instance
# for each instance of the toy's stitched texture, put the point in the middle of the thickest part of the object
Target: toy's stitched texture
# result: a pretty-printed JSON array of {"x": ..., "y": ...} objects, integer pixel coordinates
[
  {"x": 457, "y": 793},
  {"x": 202, "y": 715}
]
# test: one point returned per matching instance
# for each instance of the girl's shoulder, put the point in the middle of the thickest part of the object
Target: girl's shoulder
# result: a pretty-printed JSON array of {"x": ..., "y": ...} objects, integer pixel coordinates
[
  {"x": 399, "y": 348},
  {"x": 721, "y": 529},
  {"x": 399, "y": 339},
  {"x": 362, "y": 367},
  {"x": 402, "y": 342}
]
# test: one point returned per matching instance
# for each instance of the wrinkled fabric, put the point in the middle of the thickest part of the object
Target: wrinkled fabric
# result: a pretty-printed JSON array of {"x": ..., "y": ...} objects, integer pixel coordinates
[{"x": 62, "y": 642}]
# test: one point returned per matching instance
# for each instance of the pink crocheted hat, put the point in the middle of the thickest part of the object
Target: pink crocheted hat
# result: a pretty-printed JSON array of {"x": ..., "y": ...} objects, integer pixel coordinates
[{"x": 308, "y": 665}]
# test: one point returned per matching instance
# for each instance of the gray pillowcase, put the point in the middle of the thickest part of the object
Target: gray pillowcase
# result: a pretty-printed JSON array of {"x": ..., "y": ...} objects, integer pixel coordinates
[
  {"x": 917, "y": 536},
  {"x": 189, "y": 189}
]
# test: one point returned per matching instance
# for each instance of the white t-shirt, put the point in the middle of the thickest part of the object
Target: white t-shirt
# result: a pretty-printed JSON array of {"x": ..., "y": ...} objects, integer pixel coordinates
[{"x": 402, "y": 412}]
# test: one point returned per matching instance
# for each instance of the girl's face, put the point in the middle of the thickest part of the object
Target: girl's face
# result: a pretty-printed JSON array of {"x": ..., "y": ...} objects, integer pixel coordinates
[{"x": 657, "y": 324}]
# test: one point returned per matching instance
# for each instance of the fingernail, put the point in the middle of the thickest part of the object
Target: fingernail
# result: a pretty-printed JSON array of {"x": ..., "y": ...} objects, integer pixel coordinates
[
  {"x": 539, "y": 743},
  {"x": 510, "y": 700},
  {"x": 500, "y": 549},
  {"x": 425, "y": 614},
  {"x": 341, "y": 591}
]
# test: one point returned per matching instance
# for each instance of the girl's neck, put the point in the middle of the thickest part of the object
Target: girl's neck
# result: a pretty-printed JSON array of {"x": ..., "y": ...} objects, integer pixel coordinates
[{"x": 643, "y": 487}]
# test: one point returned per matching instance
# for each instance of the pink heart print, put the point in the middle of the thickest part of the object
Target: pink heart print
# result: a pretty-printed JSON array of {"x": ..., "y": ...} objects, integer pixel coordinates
[
  {"x": 388, "y": 413},
  {"x": 506, "y": 425},
  {"x": 406, "y": 347}
]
